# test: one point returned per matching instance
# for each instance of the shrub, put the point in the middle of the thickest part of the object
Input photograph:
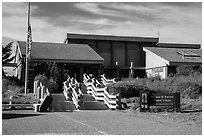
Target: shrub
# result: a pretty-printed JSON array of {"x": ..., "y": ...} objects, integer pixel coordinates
[
  {"x": 10, "y": 88},
  {"x": 127, "y": 89},
  {"x": 50, "y": 84},
  {"x": 187, "y": 69}
]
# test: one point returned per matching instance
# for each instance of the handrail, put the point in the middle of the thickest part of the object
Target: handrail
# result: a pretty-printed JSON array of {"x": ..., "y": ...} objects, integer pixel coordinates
[
  {"x": 106, "y": 81},
  {"x": 100, "y": 94},
  {"x": 40, "y": 91},
  {"x": 72, "y": 84}
]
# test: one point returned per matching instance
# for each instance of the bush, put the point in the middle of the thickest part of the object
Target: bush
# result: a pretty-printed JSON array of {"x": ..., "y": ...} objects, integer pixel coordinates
[
  {"x": 187, "y": 69},
  {"x": 10, "y": 88},
  {"x": 189, "y": 86},
  {"x": 50, "y": 84},
  {"x": 127, "y": 89}
]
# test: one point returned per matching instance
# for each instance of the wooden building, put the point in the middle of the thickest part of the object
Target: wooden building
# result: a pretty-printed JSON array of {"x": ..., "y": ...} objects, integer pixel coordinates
[
  {"x": 117, "y": 51},
  {"x": 75, "y": 59}
]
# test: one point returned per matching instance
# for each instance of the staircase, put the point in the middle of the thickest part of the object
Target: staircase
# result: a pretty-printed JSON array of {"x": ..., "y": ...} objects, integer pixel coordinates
[
  {"x": 60, "y": 104},
  {"x": 89, "y": 103}
]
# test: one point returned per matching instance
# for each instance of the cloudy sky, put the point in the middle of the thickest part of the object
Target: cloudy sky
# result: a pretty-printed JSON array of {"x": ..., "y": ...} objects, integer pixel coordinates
[{"x": 176, "y": 22}]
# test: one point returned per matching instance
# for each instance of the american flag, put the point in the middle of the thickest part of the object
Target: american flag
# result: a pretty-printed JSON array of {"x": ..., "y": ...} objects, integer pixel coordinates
[{"x": 29, "y": 37}]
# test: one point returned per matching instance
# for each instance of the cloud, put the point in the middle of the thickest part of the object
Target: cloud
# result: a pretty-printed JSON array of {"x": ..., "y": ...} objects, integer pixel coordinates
[
  {"x": 51, "y": 21},
  {"x": 8, "y": 9}
]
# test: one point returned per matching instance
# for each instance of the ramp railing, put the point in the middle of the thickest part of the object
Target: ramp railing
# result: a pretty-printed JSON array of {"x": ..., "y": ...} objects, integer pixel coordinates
[
  {"x": 72, "y": 91},
  {"x": 106, "y": 81},
  {"x": 99, "y": 93},
  {"x": 40, "y": 92}
]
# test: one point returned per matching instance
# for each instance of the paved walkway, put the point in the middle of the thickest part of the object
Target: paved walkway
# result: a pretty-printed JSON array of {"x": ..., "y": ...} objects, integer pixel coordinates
[{"x": 18, "y": 122}]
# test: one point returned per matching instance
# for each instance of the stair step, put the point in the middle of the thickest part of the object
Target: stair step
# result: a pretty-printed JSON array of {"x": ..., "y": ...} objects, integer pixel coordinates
[
  {"x": 94, "y": 105},
  {"x": 87, "y": 97},
  {"x": 60, "y": 104}
]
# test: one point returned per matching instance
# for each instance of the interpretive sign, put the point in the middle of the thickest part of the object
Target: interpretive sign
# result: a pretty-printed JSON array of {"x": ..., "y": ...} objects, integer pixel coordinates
[{"x": 148, "y": 99}]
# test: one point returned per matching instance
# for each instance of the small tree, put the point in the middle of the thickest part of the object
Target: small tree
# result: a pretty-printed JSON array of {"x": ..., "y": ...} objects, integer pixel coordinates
[{"x": 6, "y": 55}]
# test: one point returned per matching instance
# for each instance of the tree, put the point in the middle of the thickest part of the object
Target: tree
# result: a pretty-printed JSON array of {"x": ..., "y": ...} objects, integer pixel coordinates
[{"x": 7, "y": 55}]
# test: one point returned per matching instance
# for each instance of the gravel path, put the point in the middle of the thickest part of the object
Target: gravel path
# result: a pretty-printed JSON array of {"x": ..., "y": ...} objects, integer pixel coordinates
[{"x": 18, "y": 122}]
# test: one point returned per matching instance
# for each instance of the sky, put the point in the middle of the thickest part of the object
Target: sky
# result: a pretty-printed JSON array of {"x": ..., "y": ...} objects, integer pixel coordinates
[{"x": 50, "y": 21}]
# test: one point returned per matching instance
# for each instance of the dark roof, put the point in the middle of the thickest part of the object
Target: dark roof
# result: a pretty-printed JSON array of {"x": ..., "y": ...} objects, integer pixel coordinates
[
  {"x": 70, "y": 53},
  {"x": 112, "y": 38},
  {"x": 177, "y": 55},
  {"x": 176, "y": 45}
]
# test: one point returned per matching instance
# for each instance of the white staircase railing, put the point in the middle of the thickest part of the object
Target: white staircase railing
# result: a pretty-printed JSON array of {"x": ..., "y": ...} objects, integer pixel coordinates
[
  {"x": 72, "y": 91},
  {"x": 40, "y": 91},
  {"x": 106, "y": 81},
  {"x": 100, "y": 94}
]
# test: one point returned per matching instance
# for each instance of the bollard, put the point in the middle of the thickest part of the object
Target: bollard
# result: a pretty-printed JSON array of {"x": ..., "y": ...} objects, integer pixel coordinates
[{"x": 118, "y": 101}]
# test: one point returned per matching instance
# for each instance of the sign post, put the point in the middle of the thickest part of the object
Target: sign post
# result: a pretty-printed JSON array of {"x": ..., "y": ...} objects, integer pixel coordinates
[{"x": 144, "y": 101}]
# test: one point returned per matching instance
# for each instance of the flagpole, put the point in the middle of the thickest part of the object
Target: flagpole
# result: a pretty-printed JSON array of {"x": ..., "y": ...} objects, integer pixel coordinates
[{"x": 27, "y": 45}]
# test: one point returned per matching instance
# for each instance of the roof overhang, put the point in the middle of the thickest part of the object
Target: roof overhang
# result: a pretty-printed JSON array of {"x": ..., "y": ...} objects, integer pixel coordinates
[
  {"x": 112, "y": 38},
  {"x": 67, "y": 61},
  {"x": 160, "y": 58}
]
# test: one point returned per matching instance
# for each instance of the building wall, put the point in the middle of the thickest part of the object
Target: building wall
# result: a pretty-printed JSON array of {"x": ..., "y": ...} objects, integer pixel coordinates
[
  {"x": 159, "y": 71},
  {"x": 155, "y": 66},
  {"x": 124, "y": 52}
]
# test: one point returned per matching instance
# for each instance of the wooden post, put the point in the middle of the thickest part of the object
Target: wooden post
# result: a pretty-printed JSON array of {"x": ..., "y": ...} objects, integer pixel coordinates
[
  {"x": 177, "y": 102},
  {"x": 10, "y": 102},
  {"x": 112, "y": 53},
  {"x": 81, "y": 73},
  {"x": 126, "y": 54},
  {"x": 42, "y": 92},
  {"x": 99, "y": 69},
  {"x": 117, "y": 69},
  {"x": 38, "y": 93},
  {"x": 35, "y": 88},
  {"x": 118, "y": 102}
]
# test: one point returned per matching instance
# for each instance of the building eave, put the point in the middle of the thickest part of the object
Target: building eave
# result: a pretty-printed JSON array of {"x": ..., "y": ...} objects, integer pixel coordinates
[{"x": 157, "y": 56}]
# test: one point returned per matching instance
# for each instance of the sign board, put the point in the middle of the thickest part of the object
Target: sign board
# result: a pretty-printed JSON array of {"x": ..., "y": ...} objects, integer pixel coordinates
[
  {"x": 148, "y": 99},
  {"x": 161, "y": 99}
]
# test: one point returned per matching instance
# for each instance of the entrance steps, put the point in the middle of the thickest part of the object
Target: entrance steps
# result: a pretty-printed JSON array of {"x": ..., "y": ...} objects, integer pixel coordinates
[
  {"x": 60, "y": 104},
  {"x": 94, "y": 105},
  {"x": 89, "y": 103}
]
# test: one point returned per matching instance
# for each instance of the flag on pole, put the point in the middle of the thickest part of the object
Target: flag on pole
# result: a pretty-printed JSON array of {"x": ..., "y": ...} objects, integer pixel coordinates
[
  {"x": 29, "y": 37},
  {"x": 28, "y": 50}
]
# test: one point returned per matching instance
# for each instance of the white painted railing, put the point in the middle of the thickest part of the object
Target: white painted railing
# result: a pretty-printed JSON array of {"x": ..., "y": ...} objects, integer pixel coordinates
[
  {"x": 106, "y": 81},
  {"x": 40, "y": 91},
  {"x": 71, "y": 87},
  {"x": 100, "y": 94}
]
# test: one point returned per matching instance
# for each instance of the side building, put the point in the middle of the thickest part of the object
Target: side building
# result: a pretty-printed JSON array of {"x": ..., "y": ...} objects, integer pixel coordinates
[
  {"x": 117, "y": 51},
  {"x": 164, "y": 59}
]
